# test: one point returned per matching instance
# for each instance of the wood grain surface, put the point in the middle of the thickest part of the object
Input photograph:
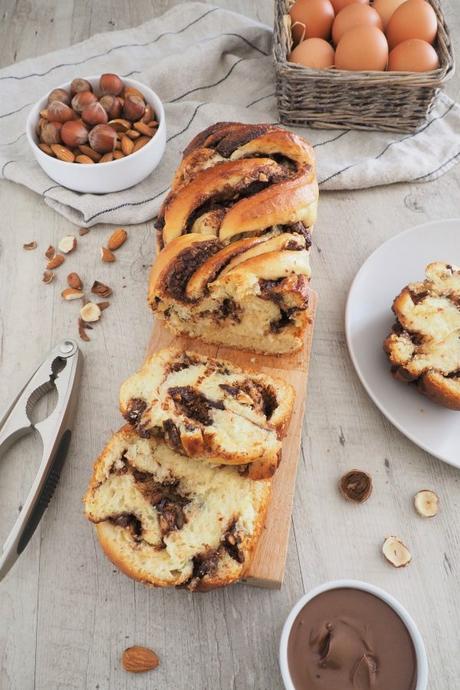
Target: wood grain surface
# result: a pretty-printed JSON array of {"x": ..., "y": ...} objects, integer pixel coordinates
[
  {"x": 268, "y": 566},
  {"x": 65, "y": 613}
]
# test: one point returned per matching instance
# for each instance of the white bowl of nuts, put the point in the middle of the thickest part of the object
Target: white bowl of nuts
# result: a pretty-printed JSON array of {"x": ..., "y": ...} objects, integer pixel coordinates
[{"x": 97, "y": 120}]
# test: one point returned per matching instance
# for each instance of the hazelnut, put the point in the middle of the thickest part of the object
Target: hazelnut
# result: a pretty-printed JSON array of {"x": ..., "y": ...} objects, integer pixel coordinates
[
  {"x": 102, "y": 138},
  {"x": 59, "y": 95},
  {"x": 132, "y": 91},
  {"x": 82, "y": 99},
  {"x": 94, "y": 114},
  {"x": 60, "y": 112},
  {"x": 74, "y": 133},
  {"x": 80, "y": 85},
  {"x": 134, "y": 107},
  {"x": 50, "y": 132},
  {"x": 111, "y": 84},
  {"x": 112, "y": 105}
]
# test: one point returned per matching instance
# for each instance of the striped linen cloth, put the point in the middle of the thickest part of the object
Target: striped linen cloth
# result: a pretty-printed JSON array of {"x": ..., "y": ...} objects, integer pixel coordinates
[{"x": 207, "y": 64}]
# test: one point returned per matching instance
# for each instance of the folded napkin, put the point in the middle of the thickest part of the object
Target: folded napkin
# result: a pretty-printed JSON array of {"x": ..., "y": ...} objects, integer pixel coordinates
[{"x": 207, "y": 64}]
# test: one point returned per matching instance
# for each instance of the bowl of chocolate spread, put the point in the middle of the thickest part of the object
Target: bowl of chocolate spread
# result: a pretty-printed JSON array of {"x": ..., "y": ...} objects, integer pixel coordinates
[{"x": 350, "y": 635}]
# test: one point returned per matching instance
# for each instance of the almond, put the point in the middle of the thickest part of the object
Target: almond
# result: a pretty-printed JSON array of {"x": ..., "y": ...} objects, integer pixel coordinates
[
  {"x": 139, "y": 143},
  {"x": 83, "y": 231},
  {"x": 46, "y": 149},
  {"x": 127, "y": 145},
  {"x": 100, "y": 289},
  {"x": 55, "y": 262},
  {"x": 120, "y": 125},
  {"x": 139, "y": 659},
  {"x": 90, "y": 312},
  {"x": 30, "y": 245},
  {"x": 117, "y": 239},
  {"x": 153, "y": 124},
  {"x": 74, "y": 281},
  {"x": 107, "y": 158},
  {"x": 84, "y": 160},
  {"x": 48, "y": 277},
  {"x": 107, "y": 256},
  {"x": 91, "y": 153},
  {"x": 132, "y": 134},
  {"x": 71, "y": 293},
  {"x": 67, "y": 244},
  {"x": 117, "y": 155},
  {"x": 149, "y": 114},
  {"x": 63, "y": 153},
  {"x": 50, "y": 252},
  {"x": 143, "y": 129}
]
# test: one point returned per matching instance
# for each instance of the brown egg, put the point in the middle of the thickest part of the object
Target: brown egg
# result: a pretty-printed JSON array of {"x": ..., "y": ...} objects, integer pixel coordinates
[
  {"x": 314, "y": 52},
  {"x": 311, "y": 19},
  {"x": 386, "y": 8},
  {"x": 340, "y": 4},
  {"x": 362, "y": 48},
  {"x": 413, "y": 55},
  {"x": 354, "y": 15},
  {"x": 412, "y": 19}
]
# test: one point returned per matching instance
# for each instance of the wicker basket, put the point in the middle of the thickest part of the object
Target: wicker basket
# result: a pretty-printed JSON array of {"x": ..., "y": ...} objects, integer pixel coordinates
[{"x": 339, "y": 99}]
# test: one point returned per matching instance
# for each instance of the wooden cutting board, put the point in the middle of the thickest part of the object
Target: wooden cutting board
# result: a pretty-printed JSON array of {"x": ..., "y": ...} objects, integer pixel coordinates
[{"x": 267, "y": 568}]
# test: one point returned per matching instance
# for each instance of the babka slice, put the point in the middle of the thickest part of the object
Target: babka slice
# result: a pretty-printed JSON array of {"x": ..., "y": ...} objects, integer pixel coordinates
[
  {"x": 167, "y": 520},
  {"x": 210, "y": 408},
  {"x": 424, "y": 346}
]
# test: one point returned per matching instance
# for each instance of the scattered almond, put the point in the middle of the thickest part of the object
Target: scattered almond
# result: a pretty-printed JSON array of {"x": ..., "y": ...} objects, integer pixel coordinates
[
  {"x": 396, "y": 552},
  {"x": 107, "y": 256},
  {"x": 139, "y": 660},
  {"x": 67, "y": 244},
  {"x": 48, "y": 277},
  {"x": 55, "y": 262},
  {"x": 117, "y": 239},
  {"x": 29, "y": 246},
  {"x": 139, "y": 143},
  {"x": 127, "y": 146},
  {"x": 82, "y": 326},
  {"x": 83, "y": 231},
  {"x": 74, "y": 281},
  {"x": 90, "y": 312},
  {"x": 63, "y": 153},
  {"x": 50, "y": 252},
  {"x": 100, "y": 289},
  {"x": 426, "y": 503},
  {"x": 71, "y": 293}
]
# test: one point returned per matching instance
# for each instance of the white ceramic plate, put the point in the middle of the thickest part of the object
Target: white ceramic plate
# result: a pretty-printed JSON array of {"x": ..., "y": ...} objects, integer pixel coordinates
[{"x": 368, "y": 320}]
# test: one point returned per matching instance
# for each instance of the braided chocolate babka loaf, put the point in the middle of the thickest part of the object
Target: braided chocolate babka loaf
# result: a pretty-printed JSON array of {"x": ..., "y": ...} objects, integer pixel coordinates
[
  {"x": 168, "y": 520},
  {"x": 424, "y": 347},
  {"x": 234, "y": 239},
  {"x": 210, "y": 408}
]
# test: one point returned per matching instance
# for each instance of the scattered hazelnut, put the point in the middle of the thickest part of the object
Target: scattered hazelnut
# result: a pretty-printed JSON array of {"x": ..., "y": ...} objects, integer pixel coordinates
[
  {"x": 356, "y": 486},
  {"x": 80, "y": 85},
  {"x": 426, "y": 503},
  {"x": 71, "y": 293},
  {"x": 94, "y": 114},
  {"x": 74, "y": 281},
  {"x": 112, "y": 105},
  {"x": 110, "y": 84},
  {"x": 67, "y": 244},
  {"x": 133, "y": 108},
  {"x": 82, "y": 100},
  {"x": 60, "y": 112},
  {"x": 90, "y": 312},
  {"x": 102, "y": 138},
  {"x": 59, "y": 95},
  {"x": 50, "y": 133},
  {"x": 29, "y": 246},
  {"x": 74, "y": 133},
  {"x": 396, "y": 552}
]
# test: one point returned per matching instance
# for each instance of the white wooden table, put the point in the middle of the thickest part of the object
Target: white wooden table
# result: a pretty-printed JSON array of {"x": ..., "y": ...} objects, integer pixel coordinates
[{"x": 65, "y": 613}]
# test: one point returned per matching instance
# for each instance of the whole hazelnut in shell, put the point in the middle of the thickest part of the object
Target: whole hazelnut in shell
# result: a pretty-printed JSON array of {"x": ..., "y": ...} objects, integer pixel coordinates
[
  {"x": 133, "y": 108},
  {"x": 74, "y": 133},
  {"x": 82, "y": 99},
  {"x": 111, "y": 84},
  {"x": 59, "y": 95},
  {"x": 112, "y": 106},
  {"x": 94, "y": 114},
  {"x": 60, "y": 112},
  {"x": 80, "y": 85},
  {"x": 102, "y": 138},
  {"x": 50, "y": 133}
]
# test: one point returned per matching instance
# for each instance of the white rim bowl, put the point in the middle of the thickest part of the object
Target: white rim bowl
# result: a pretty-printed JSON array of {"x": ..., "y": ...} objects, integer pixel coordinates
[
  {"x": 420, "y": 652},
  {"x": 106, "y": 177}
]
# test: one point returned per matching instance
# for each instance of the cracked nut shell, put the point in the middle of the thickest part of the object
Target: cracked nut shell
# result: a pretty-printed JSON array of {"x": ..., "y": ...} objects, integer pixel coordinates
[
  {"x": 396, "y": 552},
  {"x": 426, "y": 503},
  {"x": 356, "y": 485}
]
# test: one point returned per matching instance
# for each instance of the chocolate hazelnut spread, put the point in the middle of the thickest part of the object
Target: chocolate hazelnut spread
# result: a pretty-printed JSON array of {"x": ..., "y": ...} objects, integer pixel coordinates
[{"x": 348, "y": 639}]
